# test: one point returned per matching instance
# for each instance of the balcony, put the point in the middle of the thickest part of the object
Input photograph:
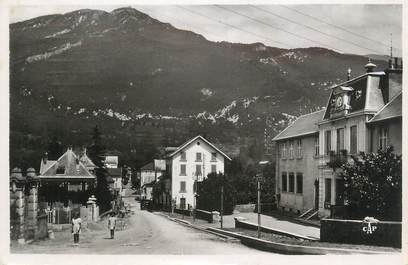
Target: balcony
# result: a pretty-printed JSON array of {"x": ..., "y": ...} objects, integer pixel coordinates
[{"x": 334, "y": 159}]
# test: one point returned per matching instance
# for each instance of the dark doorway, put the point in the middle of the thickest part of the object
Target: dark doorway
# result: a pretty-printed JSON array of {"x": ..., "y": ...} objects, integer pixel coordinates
[{"x": 316, "y": 186}]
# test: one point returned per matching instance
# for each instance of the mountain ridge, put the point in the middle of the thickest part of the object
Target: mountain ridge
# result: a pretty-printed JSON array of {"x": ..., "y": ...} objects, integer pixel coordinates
[{"x": 140, "y": 78}]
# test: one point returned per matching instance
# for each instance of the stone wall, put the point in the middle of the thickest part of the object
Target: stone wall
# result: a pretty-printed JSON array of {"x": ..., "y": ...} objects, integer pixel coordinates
[
  {"x": 245, "y": 208},
  {"x": 204, "y": 215},
  {"x": 25, "y": 224},
  {"x": 358, "y": 232}
]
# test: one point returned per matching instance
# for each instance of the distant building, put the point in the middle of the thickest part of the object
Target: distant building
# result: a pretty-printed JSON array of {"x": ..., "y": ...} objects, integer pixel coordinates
[
  {"x": 363, "y": 114},
  {"x": 111, "y": 161},
  {"x": 190, "y": 162},
  {"x": 149, "y": 174},
  {"x": 114, "y": 178}
]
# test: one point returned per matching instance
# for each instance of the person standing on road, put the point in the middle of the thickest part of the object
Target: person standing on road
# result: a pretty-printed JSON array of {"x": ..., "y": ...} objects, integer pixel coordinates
[
  {"x": 76, "y": 227},
  {"x": 112, "y": 224}
]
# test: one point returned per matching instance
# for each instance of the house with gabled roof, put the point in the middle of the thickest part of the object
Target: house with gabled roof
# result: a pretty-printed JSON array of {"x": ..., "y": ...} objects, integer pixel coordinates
[
  {"x": 67, "y": 172},
  {"x": 191, "y": 162},
  {"x": 363, "y": 114}
]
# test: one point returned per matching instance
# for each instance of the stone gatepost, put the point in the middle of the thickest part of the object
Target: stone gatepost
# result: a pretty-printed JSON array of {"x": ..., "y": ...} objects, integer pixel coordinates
[
  {"x": 91, "y": 205},
  {"x": 17, "y": 204},
  {"x": 32, "y": 203}
]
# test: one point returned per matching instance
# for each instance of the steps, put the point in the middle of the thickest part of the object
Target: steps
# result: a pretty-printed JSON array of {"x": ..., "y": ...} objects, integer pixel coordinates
[{"x": 312, "y": 212}]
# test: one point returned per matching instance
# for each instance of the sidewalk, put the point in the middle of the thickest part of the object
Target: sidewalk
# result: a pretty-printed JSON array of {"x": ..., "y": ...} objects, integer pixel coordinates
[{"x": 268, "y": 221}]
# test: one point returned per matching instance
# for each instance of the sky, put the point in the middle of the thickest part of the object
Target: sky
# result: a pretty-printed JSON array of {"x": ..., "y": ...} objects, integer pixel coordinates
[{"x": 358, "y": 29}]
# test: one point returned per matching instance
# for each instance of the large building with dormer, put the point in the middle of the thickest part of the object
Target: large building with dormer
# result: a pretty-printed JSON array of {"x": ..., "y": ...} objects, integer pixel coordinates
[{"x": 363, "y": 114}]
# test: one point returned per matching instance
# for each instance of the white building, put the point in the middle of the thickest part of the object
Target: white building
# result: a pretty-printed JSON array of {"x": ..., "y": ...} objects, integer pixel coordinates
[
  {"x": 191, "y": 162},
  {"x": 114, "y": 172}
]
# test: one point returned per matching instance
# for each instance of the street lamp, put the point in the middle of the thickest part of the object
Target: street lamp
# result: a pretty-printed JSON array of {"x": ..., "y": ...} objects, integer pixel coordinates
[{"x": 259, "y": 179}]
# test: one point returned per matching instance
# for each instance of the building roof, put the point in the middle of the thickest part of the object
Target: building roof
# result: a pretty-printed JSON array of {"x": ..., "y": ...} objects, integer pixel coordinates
[
  {"x": 148, "y": 167},
  {"x": 68, "y": 164},
  {"x": 303, "y": 125},
  {"x": 46, "y": 164},
  {"x": 392, "y": 109},
  {"x": 86, "y": 161},
  {"x": 181, "y": 147}
]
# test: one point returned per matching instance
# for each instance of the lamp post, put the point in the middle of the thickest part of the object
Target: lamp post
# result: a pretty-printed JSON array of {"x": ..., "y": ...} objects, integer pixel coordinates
[
  {"x": 222, "y": 202},
  {"x": 259, "y": 178}
]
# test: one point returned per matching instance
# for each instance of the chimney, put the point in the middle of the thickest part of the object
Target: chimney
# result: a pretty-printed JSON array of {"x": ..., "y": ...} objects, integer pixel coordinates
[
  {"x": 45, "y": 158},
  {"x": 370, "y": 66},
  {"x": 348, "y": 73}
]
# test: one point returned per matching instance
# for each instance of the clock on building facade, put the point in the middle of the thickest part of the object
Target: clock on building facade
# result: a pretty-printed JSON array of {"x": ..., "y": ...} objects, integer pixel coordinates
[{"x": 340, "y": 104}]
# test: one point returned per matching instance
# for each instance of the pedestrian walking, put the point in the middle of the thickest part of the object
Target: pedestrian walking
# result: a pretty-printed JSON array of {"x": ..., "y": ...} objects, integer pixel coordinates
[
  {"x": 76, "y": 227},
  {"x": 112, "y": 224}
]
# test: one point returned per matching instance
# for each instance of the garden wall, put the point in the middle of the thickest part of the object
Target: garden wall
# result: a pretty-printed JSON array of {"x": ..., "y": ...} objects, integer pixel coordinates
[{"x": 358, "y": 232}]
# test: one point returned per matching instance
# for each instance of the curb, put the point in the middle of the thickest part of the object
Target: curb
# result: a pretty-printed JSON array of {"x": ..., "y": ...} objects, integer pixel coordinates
[
  {"x": 203, "y": 229},
  {"x": 240, "y": 222},
  {"x": 292, "y": 249}
]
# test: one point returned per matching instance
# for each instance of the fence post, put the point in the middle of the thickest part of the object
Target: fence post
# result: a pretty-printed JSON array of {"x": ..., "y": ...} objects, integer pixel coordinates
[
  {"x": 32, "y": 203},
  {"x": 17, "y": 182}
]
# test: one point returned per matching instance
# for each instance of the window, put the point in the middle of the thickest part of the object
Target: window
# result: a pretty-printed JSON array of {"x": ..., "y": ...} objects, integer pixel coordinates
[
  {"x": 198, "y": 170},
  {"x": 299, "y": 183},
  {"x": 60, "y": 170},
  {"x": 291, "y": 149},
  {"x": 299, "y": 148},
  {"x": 283, "y": 148},
  {"x": 214, "y": 156},
  {"x": 183, "y": 156},
  {"x": 183, "y": 170},
  {"x": 327, "y": 142},
  {"x": 317, "y": 146},
  {"x": 327, "y": 193},
  {"x": 213, "y": 168},
  {"x": 340, "y": 140},
  {"x": 182, "y": 186},
  {"x": 284, "y": 182},
  {"x": 291, "y": 182},
  {"x": 198, "y": 157},
  {"x": 353, "y": 139},
  {"x": 382, "y": 139},
  {"x": 339, "y": 192},
  {"x": 371, "y": 140}
]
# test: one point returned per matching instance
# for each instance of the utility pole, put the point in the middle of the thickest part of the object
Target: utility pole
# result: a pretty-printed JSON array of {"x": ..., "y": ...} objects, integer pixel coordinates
[
  {"x": 259, "y": 178},
  {"x": 259, "y": 206},
  {"x": 222, "y": 201},
  {"x": 195, "y": 197}
]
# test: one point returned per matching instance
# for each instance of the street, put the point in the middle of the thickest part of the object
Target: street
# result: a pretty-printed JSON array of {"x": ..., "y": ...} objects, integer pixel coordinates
[{"x": 146, "y": 233}]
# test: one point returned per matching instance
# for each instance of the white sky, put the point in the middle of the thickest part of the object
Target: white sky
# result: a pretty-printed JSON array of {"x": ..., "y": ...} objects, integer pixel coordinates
[{"x": 374, "y": 22}]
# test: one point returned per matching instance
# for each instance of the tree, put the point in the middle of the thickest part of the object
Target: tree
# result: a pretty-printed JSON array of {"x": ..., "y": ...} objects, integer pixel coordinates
[
  {"x": 372, "y": 185},
  {"x": 209, "y": 193},
  {"x": 245, "y": 183},
  {"x": 97, "y": 153},
  {"x": 55, "y": 148}
]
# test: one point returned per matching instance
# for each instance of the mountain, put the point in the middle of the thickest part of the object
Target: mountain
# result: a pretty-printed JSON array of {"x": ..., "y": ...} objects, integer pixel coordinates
[{"x": 148, "y": 84}]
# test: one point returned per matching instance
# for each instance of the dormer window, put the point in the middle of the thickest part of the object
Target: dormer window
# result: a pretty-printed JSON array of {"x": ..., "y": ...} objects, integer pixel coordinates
[{"x": 61, "y": 170}]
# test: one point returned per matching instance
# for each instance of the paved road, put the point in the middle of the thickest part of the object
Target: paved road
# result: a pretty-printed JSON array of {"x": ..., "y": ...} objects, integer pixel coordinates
[{"x": 147, "y": 233}]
